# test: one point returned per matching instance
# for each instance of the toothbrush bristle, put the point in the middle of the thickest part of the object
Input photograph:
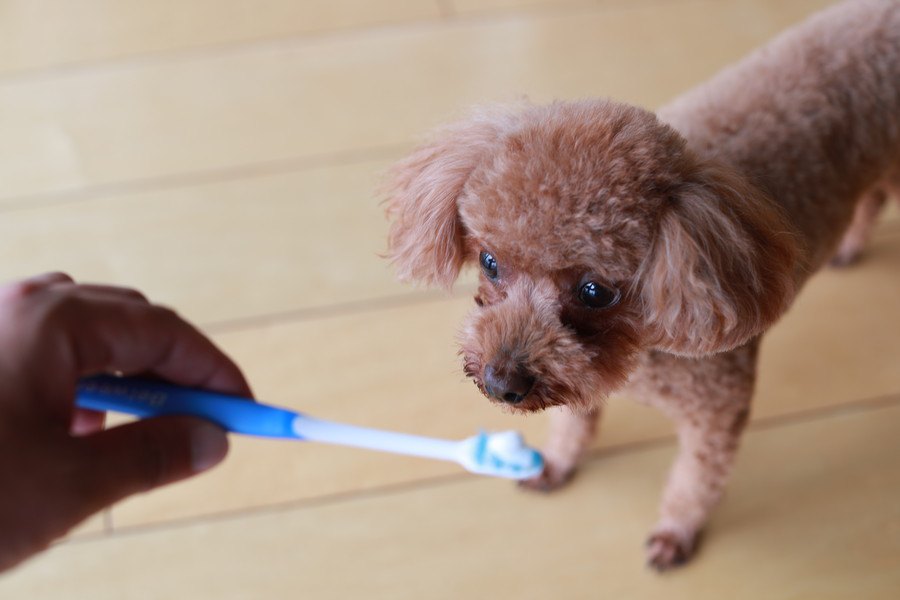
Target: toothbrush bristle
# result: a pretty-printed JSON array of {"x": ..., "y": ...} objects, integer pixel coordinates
[{"x": 501, "y": 455}]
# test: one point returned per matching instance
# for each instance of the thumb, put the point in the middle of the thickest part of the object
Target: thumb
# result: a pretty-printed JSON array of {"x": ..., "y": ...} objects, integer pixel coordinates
[{"x": 146, "y": 454}]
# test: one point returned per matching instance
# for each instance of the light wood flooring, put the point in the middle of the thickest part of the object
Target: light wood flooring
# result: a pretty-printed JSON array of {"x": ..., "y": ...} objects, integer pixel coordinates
[{"x": 222, "y": 156}]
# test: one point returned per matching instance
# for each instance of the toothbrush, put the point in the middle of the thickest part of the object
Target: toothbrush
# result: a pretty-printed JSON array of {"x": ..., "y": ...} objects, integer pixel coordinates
[{"x": 502, "y": 454}]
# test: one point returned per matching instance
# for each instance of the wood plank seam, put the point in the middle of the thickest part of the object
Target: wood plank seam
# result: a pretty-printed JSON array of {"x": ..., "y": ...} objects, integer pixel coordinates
[
  {"x": 774, "y": 422},
  {"x": 201, "y": 177},
  {"x": 28, "y": 75}
]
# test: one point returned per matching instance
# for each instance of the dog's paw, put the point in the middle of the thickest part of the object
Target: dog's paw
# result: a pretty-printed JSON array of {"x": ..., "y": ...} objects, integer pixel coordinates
[
  {"x": 666, "y": 549},
  {"x": 845, "y": 257},
  {"x": 551, "y": 478},
  {"x": 849, "y": 252}
]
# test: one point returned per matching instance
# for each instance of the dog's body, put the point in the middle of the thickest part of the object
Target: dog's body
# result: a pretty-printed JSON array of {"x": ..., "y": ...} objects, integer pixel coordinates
[{"x": 618, "y": 250}]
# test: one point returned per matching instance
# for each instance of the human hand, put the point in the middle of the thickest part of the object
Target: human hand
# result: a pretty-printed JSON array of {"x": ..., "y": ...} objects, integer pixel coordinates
[{"x": 57, "y": 464}]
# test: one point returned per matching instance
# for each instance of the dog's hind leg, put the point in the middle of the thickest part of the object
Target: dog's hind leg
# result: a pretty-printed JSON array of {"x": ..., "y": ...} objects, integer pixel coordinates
[
  {"x": 569, "y": 439},
  {"x": 860, "y": 230}
]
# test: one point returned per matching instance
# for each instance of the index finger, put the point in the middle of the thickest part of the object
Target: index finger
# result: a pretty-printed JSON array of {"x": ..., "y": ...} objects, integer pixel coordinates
[{"x": 111, "y": 335}]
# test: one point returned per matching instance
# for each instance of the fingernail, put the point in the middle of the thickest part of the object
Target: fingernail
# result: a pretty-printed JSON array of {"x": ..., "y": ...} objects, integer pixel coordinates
[{"x": 209, "y": 445}]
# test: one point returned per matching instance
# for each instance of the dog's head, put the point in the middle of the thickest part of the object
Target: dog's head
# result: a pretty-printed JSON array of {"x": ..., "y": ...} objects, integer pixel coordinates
[{"x": 598, "y": 234}]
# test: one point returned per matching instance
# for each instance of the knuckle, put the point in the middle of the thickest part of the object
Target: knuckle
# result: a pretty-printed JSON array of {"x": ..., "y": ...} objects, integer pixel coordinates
[
  {"x": 168, "y": 310},
  {"x": 67, "y": 304},
  {"x": 33, "y": 285},
  {"x": 15, "y": 293},
  {"x": 123, "y": 292},
  {"x": 167, "y": 315},
  {"x": 37, "y": 297},
  {"x": 20, "y": 290},
  {"x": 135, "y": 293}
]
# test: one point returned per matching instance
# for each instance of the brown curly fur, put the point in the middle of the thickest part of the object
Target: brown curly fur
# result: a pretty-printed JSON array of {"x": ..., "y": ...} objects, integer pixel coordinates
[{"x": 707, "y": 218}]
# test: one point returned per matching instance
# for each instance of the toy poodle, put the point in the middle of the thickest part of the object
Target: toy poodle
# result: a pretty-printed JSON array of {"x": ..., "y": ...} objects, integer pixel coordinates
[{"x": 625, "y": 250}]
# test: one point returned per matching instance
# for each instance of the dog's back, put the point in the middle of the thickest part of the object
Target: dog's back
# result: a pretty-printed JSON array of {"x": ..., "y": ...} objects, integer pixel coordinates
[{"x": 813, "y": 117}]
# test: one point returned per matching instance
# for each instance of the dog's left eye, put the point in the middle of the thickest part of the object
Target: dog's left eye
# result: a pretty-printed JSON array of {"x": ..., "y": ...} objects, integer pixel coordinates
[
  {"x": 594, "y": 295},
  {"x": 489, "y": 265}
]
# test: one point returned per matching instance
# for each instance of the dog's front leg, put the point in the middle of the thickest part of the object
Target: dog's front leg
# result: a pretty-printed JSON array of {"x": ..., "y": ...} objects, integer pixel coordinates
[
  {"x": 569, "y": 439},
  {"x": 708, "y": 443}
]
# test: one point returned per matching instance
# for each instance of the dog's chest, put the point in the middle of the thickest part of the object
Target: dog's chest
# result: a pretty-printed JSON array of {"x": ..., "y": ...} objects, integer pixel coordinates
[{"x": 674, "y": 384}]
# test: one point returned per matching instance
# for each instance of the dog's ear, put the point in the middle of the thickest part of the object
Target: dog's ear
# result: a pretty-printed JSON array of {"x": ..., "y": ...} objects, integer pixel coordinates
[
  {"x": 721, "y": 269},
  {"x": 426, "y": 238}
]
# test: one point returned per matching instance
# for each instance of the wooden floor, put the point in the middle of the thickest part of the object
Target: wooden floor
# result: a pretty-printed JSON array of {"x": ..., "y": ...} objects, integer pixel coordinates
[{"x": 222, "y": 156}]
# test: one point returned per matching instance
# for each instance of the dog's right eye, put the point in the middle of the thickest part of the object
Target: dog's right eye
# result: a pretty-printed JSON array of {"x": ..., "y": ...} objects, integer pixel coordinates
[
  {"x": 595, "y": 295},
  {"x": 489, "y": 265}
]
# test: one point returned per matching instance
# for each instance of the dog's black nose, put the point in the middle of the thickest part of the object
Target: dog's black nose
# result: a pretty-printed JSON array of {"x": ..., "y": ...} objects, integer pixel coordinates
[{"x": 511, "y": 387}]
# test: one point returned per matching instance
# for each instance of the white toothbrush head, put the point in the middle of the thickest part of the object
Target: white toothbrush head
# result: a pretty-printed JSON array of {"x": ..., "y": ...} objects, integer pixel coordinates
[{"x": 502, "y": 454}]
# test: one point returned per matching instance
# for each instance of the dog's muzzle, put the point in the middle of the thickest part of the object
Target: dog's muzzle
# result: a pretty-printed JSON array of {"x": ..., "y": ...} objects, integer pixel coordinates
[{"x": 508, "y": 386}]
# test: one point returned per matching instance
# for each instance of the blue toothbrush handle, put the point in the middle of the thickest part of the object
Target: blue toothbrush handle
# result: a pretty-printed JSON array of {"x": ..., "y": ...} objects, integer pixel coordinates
[{"x": 147, "y": 398}]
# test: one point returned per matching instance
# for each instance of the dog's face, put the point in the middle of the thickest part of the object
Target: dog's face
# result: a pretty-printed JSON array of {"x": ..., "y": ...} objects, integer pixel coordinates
[{"x": 597, "y": 235}]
